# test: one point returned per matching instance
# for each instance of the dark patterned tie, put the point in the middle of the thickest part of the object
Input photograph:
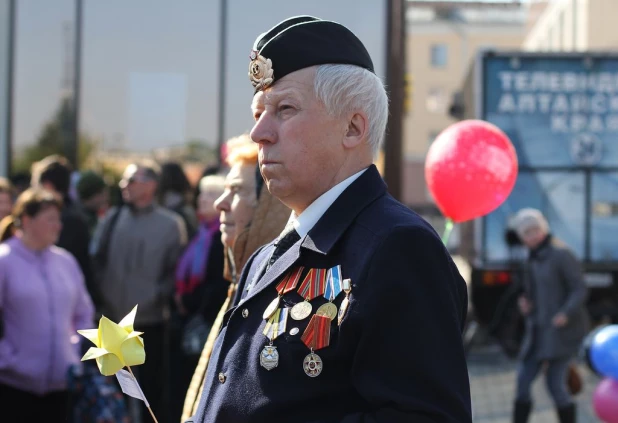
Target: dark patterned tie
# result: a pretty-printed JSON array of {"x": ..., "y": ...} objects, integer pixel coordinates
[{"x": 285, "y": 241}]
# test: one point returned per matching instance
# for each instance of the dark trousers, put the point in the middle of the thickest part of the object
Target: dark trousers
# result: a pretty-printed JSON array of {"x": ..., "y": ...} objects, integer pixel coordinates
[
  {"x": 153, "y": 375},
  {"x": 182, "y": 369},
  {"x": 555, "y": 378},
  {"x": 18, "y": 406}
]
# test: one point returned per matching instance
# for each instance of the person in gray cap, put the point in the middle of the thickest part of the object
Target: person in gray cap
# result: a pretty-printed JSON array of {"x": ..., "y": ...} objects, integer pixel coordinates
[
  {"x": 355, "y": 312},
  {"x": 552, "y": 298}
]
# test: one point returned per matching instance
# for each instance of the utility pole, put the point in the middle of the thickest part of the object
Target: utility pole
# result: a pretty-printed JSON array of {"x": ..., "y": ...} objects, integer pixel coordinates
[
  {"x": 222, "y": 77},
  {"x": 72, "y": 147},
  {"x": 7, "y": 55},
  {"x": 395, "y": 69}
]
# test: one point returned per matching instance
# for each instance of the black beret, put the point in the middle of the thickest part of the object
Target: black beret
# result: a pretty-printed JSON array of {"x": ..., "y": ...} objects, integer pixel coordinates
[{"x": 301, "y": 42}]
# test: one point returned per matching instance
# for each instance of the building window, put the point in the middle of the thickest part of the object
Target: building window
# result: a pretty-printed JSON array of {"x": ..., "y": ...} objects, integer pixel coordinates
[
  {"x": 439, "y": 55},
  {"x": 436, "y": 100}
]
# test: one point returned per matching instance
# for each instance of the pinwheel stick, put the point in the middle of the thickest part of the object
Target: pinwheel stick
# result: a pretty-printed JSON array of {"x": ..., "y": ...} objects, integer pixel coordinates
[{"x": 149, "y": 409}]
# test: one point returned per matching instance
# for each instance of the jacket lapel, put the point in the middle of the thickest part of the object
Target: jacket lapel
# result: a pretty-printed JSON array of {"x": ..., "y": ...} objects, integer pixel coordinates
[
  {"x": 340, "y": 215},
  {"x": 276, "y": 270}
]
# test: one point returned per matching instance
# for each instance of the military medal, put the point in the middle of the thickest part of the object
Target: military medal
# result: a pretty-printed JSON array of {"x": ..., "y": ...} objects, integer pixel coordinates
[
  {"x": 332, "y": 290},
  {"x": 269, "y": 357},
  {"x": 301, "y": 310},
  {"x": 288, "y": 283},
  {"x": 312, "y": 364},
  {"x": 313, "y": 286},
  {"x": 347, "y": 287},
  {"x": 315, "y": 337},
  {"x": 333, "y": 283},
  {"x": 272, "y": 307},
  {"x": 327, "y": 310}
]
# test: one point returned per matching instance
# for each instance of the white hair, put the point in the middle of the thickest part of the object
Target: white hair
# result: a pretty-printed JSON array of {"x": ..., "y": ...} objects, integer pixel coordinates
[
  {"x": 529, "y": 218},
  {"x": 346, "y": 88},
  {"x": 215, "y": 182}
]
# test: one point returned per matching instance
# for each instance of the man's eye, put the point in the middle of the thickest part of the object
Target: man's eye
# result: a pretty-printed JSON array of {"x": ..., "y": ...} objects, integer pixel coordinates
[{"x": 285, "y": 107}]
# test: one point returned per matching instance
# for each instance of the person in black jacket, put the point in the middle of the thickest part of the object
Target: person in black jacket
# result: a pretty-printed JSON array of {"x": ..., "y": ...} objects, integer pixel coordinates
[
  {"x": 355, "y": 312},
  {"x": 174, "y": 193},
  {"x": 53, "y": 173},
  {"x": 93, "y": 195}
]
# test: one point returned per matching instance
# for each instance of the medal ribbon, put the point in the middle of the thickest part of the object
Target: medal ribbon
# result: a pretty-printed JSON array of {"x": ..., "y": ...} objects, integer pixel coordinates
[
  {"x": 290, "y": 281},
  {"x": 313, "y": 285},
  {"x": 276, "y": 324},
  {"x": 317, "y": 334},
  {"x": 333, "y": 283}
]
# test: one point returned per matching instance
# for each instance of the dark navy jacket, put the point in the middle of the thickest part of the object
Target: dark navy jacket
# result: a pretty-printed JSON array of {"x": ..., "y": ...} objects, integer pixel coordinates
[{"x": 398, "y": 354}]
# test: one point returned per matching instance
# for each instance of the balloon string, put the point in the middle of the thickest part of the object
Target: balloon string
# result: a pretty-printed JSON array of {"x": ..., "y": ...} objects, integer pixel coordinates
[{"x": 448, "y": 228}]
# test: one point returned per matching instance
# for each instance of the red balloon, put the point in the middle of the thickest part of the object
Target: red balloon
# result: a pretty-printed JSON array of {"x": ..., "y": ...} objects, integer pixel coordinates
[{"x": 470, "y": 169}]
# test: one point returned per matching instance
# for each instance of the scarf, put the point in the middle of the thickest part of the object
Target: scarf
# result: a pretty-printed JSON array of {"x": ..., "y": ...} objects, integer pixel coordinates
[
  {"x": 191, "y": 269},
  {"x": 537, "y": 251}
]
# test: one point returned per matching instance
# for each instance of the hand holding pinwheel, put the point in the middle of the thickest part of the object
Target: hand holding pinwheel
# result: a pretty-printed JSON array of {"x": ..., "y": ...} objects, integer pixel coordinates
[{"x": 118, "y": 345}]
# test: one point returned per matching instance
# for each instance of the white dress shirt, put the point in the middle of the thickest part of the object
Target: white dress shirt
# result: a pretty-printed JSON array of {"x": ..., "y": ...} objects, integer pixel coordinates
[{"x": 310, "y": 216}]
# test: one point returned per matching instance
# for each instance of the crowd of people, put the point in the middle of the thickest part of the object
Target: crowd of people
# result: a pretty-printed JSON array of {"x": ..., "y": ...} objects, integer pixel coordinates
[{"x": 70, "y": 255}]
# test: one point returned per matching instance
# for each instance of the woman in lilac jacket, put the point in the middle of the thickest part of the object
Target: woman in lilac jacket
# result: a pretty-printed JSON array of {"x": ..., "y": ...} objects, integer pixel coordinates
[{"x": 43, "y": 301}]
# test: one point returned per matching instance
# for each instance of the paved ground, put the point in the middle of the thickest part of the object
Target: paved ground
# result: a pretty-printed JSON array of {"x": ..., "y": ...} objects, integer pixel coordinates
[{"x": 492, "y": 379}]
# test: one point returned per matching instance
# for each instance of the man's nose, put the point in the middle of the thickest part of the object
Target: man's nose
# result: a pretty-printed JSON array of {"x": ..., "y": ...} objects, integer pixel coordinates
[
  {"x": 263, "y": 130},
  {"x": 222, "y": 203}
]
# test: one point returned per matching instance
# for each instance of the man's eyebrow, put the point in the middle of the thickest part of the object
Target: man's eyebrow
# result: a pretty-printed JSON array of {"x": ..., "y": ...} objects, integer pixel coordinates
[{"x": 274, "y": 97}]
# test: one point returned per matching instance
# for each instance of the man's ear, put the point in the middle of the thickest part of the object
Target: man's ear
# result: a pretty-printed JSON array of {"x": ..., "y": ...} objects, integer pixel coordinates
[
  {"x": 154, "y": 187},
  {"x": 356, "y": 131}
]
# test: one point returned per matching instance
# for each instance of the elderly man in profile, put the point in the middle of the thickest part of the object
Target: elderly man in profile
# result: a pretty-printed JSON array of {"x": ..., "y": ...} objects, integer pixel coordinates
[{"x": 354, "y": 313}]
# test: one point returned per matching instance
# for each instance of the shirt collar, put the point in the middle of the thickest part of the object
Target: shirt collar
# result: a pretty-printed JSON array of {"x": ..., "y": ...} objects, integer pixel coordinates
[
  {"x": 310, "y": 216},
  {"x": 21, "y": 249}
]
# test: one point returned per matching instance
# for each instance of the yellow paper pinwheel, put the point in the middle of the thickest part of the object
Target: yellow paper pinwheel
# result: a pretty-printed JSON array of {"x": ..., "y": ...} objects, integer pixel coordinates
[{"x": 117, "y": 345}]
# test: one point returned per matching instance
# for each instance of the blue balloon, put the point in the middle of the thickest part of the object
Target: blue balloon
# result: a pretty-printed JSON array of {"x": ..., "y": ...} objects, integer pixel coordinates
[{"x": 604, "y": 351}]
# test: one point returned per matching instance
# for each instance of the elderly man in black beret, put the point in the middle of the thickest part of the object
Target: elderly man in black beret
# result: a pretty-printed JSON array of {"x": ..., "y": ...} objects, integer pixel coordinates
[{"x": 354, "y": 313}]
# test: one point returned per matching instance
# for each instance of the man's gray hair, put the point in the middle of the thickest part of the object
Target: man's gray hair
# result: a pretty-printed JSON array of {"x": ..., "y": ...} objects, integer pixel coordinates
[
  {"x": 344, "y": 88},
  {"x": 529, "y": 218},
  {"x": 214, "y": 182}
]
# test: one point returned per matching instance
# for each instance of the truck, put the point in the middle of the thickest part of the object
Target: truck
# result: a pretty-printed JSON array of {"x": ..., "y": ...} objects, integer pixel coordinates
[{"x": 560, "y": 111}]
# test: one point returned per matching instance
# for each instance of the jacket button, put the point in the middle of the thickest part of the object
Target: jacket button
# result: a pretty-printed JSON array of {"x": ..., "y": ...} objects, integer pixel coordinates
[
  {"x": 222, "y": 377},
  {"x": 245, "y": 313}
]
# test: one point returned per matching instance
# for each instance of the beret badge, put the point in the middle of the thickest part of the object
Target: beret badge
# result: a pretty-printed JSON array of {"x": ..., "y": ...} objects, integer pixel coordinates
[{"x": 260, "y": 71}]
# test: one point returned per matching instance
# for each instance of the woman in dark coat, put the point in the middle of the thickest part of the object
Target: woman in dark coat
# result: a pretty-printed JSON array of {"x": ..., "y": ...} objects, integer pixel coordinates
[{"x": 553, "y": 301}]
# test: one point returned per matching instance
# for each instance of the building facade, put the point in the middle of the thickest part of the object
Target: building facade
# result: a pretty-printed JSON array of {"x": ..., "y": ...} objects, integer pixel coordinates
[
  {"x": 575, "y": 25},
  {"x": 442, "y": 39}
]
